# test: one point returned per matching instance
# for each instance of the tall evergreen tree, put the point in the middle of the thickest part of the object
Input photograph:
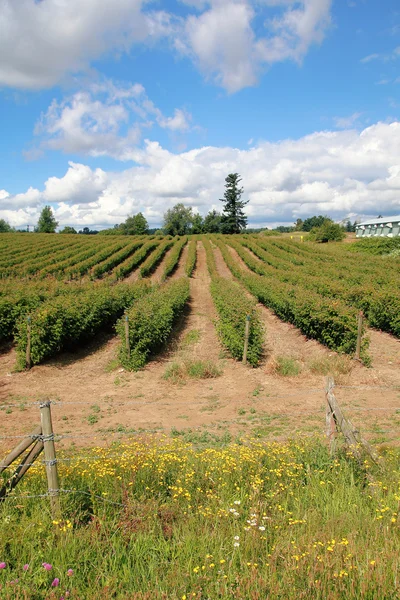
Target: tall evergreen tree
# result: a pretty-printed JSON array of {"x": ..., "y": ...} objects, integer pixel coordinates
[{"x": 234, "y": 219}]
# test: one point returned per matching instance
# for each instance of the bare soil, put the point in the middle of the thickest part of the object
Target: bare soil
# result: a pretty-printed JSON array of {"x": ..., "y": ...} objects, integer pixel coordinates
[{"x": 97, "y": 402}]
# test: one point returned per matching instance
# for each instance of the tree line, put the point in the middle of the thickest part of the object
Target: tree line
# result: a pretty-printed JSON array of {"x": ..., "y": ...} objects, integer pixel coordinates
[{"x": 182, "y": 220}]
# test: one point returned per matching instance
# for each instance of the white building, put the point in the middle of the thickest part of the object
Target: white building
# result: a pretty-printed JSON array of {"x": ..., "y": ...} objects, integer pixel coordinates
[{"x": 387, "y": 227}]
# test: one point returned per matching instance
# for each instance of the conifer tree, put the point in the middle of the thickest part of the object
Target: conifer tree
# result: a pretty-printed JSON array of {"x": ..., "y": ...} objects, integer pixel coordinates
[{"x": 234, "y": 220}]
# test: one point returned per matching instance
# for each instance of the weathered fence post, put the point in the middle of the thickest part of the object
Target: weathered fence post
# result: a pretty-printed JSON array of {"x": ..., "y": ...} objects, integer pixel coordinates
[
  {"x": 127, "y": 343},
  {"x": 22, "y": 446},
  {"x": 359, "y": 334},
  {"x": 330, "y": 418},
  {"x": 28, "y": 343},
  {"x": 50, "y": 458},
  {"x": 246, "y": 339}
]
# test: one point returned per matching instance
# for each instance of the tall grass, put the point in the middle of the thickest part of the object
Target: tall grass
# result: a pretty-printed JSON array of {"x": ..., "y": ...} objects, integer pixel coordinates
[{"x": 244, "y": 521}]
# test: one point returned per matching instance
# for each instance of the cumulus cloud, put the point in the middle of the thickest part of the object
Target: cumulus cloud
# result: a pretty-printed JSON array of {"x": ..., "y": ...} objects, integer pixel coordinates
[
  {"x": 107, "y": 118},
  {"x": 339, "y": 173},
  {"x": 42, "y": 41},
  {"x": 231, "y": 41},
  {"x": 223, "y": 42}
]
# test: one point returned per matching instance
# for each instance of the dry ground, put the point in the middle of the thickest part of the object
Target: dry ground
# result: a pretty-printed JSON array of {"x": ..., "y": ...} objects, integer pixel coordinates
[{"x": 99, "y": 402}]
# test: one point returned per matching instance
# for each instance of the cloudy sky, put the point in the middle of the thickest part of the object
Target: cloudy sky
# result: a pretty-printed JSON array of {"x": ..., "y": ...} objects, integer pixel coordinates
[{"x": 110, "y": 107}]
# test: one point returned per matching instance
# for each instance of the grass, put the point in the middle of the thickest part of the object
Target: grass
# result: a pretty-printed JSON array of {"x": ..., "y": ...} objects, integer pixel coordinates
[
  {"x": 190, "y": 338},
  {"x": 198, "y": 516},
  {"x": 178, "y": 372},
  {"x": 286, "y": 366},
  {"x": 331, "y": 365}
]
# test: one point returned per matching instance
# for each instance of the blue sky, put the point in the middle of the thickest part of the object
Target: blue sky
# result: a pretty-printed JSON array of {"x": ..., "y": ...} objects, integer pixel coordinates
[{"x": 114, "y": 106}]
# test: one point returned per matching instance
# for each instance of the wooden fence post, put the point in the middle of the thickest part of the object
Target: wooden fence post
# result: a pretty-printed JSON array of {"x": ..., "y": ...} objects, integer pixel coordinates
[
  {"x": 127, "y": 343},
  {"x": 359, "y": 334},
  {"x": 50, "y": 458},
  {"x": 246, "y": 339},
  {"x": 28, "y": 343},
  {"x": 14, "y": 454}
]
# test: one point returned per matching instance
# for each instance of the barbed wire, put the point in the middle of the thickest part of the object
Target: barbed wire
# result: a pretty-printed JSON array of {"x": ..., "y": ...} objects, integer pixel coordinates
[
  {"x": 51, "y": 494},
  {"x": 114, "y": 402}
]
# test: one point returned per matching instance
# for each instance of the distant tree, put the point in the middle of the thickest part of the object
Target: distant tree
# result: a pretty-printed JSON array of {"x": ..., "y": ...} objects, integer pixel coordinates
[
  {"x": 197, "y": 224},
  {"x": 234, "y": 220},
  {"x": 178, "y": 220},
  {"x": 349, "y": 227},
  {"x": 212, "y": 222},
  {"x": 87, "y": 231},
  {"x": 135, "y": 225},
  {"x": 298, "y": 226},
  {"x": 284, "y": 229},
  {"x": 47, "y": 222},
  {"x": 5, "y": 227},
  {"x": 328, "y": 232},
  {"x": 68, "y": 229},
  {"x": 312, "y": 222}
]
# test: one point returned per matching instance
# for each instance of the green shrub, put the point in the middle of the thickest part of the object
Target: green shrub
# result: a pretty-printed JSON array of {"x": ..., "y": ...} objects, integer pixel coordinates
[
  {"x": 172, "y": 261},
  {"x": 191, "y": 258},
  {"x": 328, "y": 232},
  {"x": 68, "y": 321},
  {"x": 151, "y": 320}
]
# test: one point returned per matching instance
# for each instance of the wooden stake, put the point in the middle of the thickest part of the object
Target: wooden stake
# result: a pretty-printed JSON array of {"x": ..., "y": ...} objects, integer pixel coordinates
[
  {"x": 14, "y": 454},
  {"x": 359, "y": 334},
  {"x": 127, "y": 343},
  {"x": 246, "y": 339},
  {"x": 50, "y": 458},
  {"x": 28, "y": 344},
  {"x": 22, "y": 469}
]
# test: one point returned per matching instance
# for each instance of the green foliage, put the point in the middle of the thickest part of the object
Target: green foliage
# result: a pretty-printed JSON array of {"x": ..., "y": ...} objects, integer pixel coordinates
[
  {"x": 133, "y": 261},
  {"x": 115, "y": 259},
  {"x": 233, "y": 307},
  {"x": 212, "y": 222},
  {"x": 178, "y": 220},
  {"x": 5, "y": 227},
  {"x": 376, "y": 246},
  {"x": 151, "y": 321},
  {"x": 324, "y": 319},
  {"x": 178, "y": 372},
  {"x": 155, "y": 258},
  {"x": 66, "y": 322},
  {"x": 267, "y": 520},
  {"x": 191, "y": 258},
  {"x": 47, "y": 222},
  {"x": 312, "y": 222},
  {"x": 173, "y": 259},
  {"x": 234, "y": 220},
  {"x": 135, "y": 225},
  {"x": 68, "y": 229},
  {"x": 197, "y": 224},
  {"x": 287, "y": 366},
  {"x": 328, "y": 232}
]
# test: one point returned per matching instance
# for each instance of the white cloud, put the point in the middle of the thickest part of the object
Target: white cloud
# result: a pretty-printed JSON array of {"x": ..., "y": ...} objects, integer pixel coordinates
[
  {"x": 231, "y": 41},
  {"x": 340, "y": 173},
  {"x": 394, "y": 55},
  {"x": 222, "y": 40},
  {"x": 42, "y": 41},
  {"x": 106, "y": 119},
  {"x": 347, "y": 122}
]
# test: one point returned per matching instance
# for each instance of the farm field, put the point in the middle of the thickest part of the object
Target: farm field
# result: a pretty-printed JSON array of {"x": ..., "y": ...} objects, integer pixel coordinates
[{"x": 166, "y": 421}]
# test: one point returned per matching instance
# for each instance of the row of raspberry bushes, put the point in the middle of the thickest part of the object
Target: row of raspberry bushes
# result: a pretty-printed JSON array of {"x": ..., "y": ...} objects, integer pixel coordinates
[
  {"x": 233, "y": 307},
  {"x": 155, "y": 258},
  {"x": 133, "y": 261},
  {"x": 191, "y": 258},
  {"x": 151, "y": 321},
  {"x": 68, "y": 321},
  {"x": 115, "y": 259},
  {"x": 328, "y": 321},
  {"x": 379, "y": 302},
  {"x": 173, "y": 258}
]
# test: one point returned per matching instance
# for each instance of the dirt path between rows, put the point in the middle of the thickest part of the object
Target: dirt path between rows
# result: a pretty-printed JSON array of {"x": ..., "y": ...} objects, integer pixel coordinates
[{"x": 99, "y": 402}]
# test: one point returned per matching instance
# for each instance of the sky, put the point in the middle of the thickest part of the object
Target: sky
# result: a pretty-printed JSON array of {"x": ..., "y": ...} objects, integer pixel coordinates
[{"x": 113, "y": 107}]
